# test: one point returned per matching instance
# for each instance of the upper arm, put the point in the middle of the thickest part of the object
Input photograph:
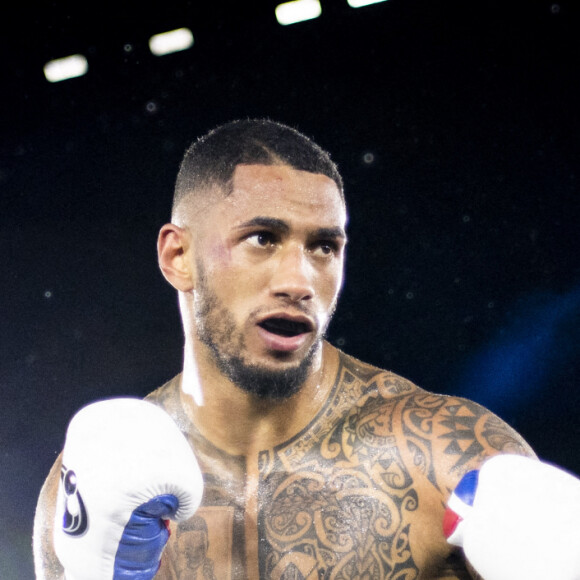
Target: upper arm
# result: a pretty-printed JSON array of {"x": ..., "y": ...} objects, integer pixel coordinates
[
  {"x": 445, "y": 437},
  {"x": 46, "y": 564},
  {"x": 465, "y": 434},
  {"x": 441, "y": 438}
]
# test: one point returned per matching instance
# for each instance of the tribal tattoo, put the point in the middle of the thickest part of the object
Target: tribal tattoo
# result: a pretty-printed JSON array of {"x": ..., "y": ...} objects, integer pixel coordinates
[{"x": 343, "y": 498}]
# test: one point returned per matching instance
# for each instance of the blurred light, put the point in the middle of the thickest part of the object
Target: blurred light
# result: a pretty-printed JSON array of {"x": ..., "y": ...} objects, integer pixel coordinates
[
  {"x": 172, "y": 41},
  {"x": 66, "y": 68},
  {"x": 359, "y": 3},
  {"x": 297, "y": 11}
]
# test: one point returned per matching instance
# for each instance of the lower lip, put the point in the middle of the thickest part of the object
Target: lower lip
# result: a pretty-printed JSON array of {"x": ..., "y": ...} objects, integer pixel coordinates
[{"x": 282, "y": 343}]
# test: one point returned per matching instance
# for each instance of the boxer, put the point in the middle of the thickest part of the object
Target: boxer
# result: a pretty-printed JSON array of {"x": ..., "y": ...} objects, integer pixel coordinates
[{"x": 314, "y": 464}]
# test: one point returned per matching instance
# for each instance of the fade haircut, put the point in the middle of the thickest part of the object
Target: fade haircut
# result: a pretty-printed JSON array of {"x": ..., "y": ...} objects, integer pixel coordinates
[{"x": 212, "y": 159}]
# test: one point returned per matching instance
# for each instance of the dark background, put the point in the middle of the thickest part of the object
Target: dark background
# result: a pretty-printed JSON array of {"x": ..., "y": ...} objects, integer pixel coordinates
[{"x": 455, "y": 124}]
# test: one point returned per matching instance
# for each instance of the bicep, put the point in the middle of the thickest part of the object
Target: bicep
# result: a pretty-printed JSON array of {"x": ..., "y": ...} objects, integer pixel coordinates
[{"x": 46, "y": 564}]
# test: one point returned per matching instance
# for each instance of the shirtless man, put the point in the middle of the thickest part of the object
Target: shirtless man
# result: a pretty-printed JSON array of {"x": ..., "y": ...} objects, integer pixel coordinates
[{"x": 315, "y": 464}]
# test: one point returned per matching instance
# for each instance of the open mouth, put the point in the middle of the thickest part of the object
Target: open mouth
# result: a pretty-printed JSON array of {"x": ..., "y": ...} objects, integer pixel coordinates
[{"x": 285, "y": 327}]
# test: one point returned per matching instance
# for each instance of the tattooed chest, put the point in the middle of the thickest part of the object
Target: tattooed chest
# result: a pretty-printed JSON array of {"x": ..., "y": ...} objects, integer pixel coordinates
[
  {"x": 309, "y": 525},
  {"x": 339, "y": 504},
  {"x": 337, "y": 524},
  {"x": 329, "y": 519},
  {"x": 355, "y": 495}
]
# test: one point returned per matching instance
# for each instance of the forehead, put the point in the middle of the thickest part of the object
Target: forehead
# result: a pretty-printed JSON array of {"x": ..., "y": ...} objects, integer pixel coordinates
[{"x": 284, "y": 192}]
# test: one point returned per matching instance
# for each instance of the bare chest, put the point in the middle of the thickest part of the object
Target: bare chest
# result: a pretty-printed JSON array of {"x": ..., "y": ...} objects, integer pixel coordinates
[
  {"x": 353, "y": 496},
  {"x": 317, "y": 511},
  {"x": 337, "y": 521}
]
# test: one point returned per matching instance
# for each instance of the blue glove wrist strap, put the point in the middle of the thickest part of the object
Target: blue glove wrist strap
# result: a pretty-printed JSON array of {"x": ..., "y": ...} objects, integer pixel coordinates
[{"x": 143, "y": 539}]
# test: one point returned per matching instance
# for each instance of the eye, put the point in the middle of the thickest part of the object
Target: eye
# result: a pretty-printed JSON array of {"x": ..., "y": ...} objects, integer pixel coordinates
[
  {"x": 261, "y": 239},
  {"x": 325, "y": 248}
]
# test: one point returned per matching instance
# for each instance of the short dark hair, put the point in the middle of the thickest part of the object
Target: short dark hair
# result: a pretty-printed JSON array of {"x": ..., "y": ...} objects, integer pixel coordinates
[{"x": 212, "y": 159}]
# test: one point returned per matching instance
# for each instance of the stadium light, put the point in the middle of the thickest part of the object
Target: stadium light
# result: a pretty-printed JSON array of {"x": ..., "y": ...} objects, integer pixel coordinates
[
  {"x": 360, "y": 3},
  {"x": 171, "y": 41},
  {"x": 297, "y": 11},
  {"x": 69, "y": 67}
]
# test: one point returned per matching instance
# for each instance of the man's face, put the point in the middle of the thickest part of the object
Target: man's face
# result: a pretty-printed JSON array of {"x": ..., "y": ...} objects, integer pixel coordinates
[{"x": 269, "y": 263}]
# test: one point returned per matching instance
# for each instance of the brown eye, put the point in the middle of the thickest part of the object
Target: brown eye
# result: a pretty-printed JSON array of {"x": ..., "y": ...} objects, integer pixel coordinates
[
  {"x": 261, "y": 239},
  {"x": 324, "y": 248}
]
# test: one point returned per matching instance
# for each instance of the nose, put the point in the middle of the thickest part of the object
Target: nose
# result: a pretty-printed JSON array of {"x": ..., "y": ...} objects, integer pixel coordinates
[{"x": 292, "y": 276}]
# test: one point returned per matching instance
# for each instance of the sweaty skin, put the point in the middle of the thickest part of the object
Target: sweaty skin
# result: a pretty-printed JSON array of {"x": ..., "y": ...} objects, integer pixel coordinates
[
  {"x": 358, "y": 493},
  {"x": 343, "y": 470}
]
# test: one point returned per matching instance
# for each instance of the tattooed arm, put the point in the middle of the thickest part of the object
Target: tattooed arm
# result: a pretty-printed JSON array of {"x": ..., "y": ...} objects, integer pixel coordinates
[
  {"x": 445, "y": 437},
  {"x": 453, "y": 436},
  {"x": 441, "y": 438},
  {"x": 466, "y": 434}
]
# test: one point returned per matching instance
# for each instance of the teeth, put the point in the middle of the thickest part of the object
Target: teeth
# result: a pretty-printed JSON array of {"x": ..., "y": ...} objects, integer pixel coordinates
[{"x": 284, "y": 327}]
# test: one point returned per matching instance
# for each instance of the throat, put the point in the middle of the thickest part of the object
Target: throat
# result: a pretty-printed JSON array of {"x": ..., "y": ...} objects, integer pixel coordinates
[{"x": 241, "y": 422}]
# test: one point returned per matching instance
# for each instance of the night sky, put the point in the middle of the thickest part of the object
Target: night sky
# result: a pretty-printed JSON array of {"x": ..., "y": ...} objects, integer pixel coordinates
[{"x": 455, "y": 125}]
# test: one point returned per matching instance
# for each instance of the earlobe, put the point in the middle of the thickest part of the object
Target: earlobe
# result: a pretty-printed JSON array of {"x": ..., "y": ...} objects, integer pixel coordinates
[{"x": 173, "y": 252}]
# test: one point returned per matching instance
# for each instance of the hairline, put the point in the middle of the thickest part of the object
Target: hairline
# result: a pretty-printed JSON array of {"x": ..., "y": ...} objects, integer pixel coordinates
[{"x": 226, "y": 188}]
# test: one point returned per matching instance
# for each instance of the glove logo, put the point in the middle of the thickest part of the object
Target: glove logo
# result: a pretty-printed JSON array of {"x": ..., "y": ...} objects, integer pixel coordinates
[{"x": 75, "y": 521}]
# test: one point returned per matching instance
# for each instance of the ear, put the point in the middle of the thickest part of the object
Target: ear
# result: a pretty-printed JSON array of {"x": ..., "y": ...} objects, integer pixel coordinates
[{"x": 174, "y": 256}]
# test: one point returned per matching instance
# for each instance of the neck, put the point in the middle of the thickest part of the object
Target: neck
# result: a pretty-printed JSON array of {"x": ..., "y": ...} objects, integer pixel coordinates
[{"x": 241, "y": 423}]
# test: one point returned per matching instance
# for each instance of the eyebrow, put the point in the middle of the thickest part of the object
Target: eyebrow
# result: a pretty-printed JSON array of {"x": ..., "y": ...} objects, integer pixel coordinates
[
  {"x": 282, "y": 226},
  {"x": 266, "y": 222},
  {"x": 330, "y": 233}
]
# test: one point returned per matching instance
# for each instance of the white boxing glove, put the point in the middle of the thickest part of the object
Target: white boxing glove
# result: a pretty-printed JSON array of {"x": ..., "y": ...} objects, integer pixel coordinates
[
  {"x": 517, "y": 519},
  {"x": 126, "y": 468}
]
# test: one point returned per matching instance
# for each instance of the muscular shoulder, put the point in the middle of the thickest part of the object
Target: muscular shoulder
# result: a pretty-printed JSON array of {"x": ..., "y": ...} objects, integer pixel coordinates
[
  {"x": 168, "y": 397},
  {"x": 442, "y": 436}
]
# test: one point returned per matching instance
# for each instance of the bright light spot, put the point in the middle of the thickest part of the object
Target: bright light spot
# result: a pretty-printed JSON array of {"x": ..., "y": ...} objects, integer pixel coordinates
[
  {"x": 66, "y": 68},
  {"x": 297, "y": 11},
  {"x": 172, "y": 41},
  {"x": 360, "y": 3}
]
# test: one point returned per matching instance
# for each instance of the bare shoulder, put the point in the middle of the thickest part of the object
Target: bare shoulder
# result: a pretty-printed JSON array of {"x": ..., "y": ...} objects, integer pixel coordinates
[
  {"x": 464, "y": 434},
  {"x": 167, "y": 396},
  {"x": 46, "y": 564},
  {"x": 454, "y": 435},
  {"x": 443, "y": 436}
]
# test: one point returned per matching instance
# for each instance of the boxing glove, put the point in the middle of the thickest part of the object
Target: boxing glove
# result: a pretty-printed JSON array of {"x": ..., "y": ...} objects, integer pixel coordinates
[
  {"x": 517, "y": 519},
  {"x": 126, "y": 468}
]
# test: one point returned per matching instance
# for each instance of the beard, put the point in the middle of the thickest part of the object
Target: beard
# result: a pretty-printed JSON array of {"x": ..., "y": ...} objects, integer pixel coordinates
[{"x": 216, "y": 329}]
